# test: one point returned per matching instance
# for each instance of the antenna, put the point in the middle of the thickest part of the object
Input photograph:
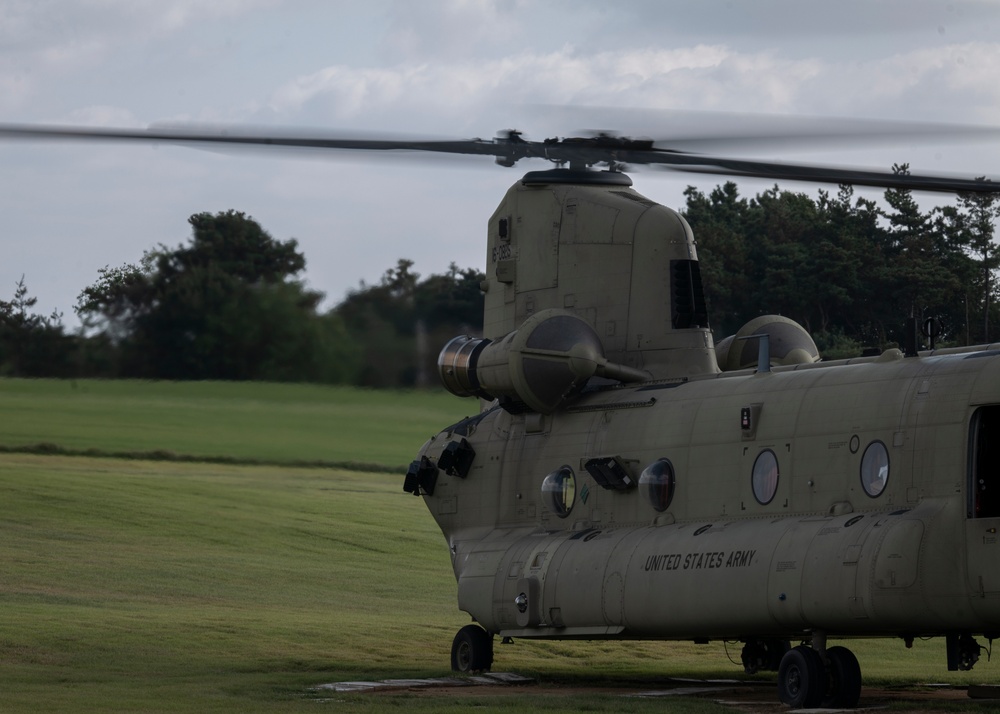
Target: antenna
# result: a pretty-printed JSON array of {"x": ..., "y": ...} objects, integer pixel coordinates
[{"x": 763, "y": 350}]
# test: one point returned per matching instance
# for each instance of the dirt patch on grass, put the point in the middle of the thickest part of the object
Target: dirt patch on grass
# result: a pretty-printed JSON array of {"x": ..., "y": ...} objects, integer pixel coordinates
[
  {"x": 757, "y": 697},
  {"x": 916, "y": 700}
]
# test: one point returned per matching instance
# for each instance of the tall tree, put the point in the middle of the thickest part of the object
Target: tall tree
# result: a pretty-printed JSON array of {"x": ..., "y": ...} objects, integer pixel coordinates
[
  {"x": 783, "y": 228},
  {"x": 847, "y": 269},
  {"x": 919, "y": 277},
  {"x": 224, "y": 306},
  {"x": 720, "y": 224},
  {"x": 402, "y": 322},
  {"x": 979, "y": 213},
  {"x": 846, "y": 242},
  {"x": 32, "y": 345}
]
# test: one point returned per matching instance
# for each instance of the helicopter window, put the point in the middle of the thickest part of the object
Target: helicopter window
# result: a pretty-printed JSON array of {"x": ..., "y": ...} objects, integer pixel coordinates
[
  {"x": 559, "y": 491},
  {"x": 875, "y": 469},
  {"x": 689, "y": 309},
  {"x": 984, "y": 446},
  {"x": 657, "y": 482},
  {"x": 765, "y": 477}
]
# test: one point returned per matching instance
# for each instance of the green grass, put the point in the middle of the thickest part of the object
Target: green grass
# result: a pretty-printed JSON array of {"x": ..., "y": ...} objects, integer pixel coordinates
[
  {"x": 135, "y": 585},
  {"x": 152, "y": 586},
  {"x": 205, "y": 585},
  {"x": 271, "y": 423}
]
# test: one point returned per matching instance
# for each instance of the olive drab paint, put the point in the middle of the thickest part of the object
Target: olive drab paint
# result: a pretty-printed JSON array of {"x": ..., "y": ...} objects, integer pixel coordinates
[{"x": 872, "y": 515}]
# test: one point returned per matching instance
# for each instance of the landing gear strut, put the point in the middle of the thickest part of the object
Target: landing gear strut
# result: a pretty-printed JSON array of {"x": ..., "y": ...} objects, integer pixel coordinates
[
  {"x": 963, "y": 652},
  {"x": 763, "y": 655},
  {"x": 472, "y": 650},
  {"x": 815, "y": 676}
]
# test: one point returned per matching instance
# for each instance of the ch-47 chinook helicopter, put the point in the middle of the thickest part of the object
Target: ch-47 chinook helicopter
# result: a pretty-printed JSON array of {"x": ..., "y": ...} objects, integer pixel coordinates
[{"x": 626, "y": 477}]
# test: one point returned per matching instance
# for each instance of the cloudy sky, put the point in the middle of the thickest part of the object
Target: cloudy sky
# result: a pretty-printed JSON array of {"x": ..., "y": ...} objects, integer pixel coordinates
[{"x": 448, "y": 68}]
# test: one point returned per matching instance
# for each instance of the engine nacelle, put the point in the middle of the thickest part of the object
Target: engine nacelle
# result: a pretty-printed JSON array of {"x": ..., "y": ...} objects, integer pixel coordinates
[
  {"x": 788, "y": 341},
  {"x": 540, "y": 366}
]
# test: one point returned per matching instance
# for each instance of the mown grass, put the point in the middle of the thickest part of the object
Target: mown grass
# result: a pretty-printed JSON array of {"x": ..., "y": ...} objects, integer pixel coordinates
[
  {"x": 151, "y": 586},
  {"x": 200, "y": 587},
  {"x": 132, "y": 585},
  {"x": 271, "y": 423}
]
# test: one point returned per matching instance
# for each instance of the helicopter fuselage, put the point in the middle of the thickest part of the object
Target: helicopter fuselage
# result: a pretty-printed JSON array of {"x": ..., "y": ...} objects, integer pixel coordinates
[
  {"x": 913, "y": 554},
  {"x": 629, "y": 477}
]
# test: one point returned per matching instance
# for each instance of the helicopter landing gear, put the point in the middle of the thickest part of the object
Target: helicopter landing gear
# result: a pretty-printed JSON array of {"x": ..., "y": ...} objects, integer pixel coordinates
[
  {"x": 763, "y": 655},
  {"x": 963, "y": 652},
  {"x": 810, "y": 677},
  {"x": 802, "y": 678},
  {"x": 844, "y": 688},
  {"x": 472, "y": 650}
]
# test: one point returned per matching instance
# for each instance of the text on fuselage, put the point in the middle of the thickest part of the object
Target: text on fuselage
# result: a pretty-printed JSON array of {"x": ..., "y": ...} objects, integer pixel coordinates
[{"x": 699, "y": 561}]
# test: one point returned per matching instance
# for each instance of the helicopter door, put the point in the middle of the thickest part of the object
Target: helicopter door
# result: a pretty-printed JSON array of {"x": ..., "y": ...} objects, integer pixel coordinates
[
  {"x": 984, "y": 469},
  {"x": 983, "y": 500}
]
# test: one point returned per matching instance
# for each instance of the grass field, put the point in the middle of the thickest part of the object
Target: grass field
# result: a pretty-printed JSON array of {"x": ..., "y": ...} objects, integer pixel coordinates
[
  {"x": 274, "y": 423},
  {"x": 138, "y": 585}
]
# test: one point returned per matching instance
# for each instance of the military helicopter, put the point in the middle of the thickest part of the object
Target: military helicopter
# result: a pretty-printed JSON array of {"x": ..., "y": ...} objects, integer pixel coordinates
[{"x": 627, "y": 477}]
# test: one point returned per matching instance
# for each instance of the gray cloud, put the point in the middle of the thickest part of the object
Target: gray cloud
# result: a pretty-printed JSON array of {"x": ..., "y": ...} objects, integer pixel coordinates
[{"x": 455, "y": 68}]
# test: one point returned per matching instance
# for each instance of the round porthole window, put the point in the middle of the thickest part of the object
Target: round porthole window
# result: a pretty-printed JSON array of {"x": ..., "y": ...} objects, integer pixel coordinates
[
  {"x": 559, "y": 491},
  {"x": 764, "y": 479},
  {"x": 657, "y": 483},
  {"x": 875, "y": 469}
]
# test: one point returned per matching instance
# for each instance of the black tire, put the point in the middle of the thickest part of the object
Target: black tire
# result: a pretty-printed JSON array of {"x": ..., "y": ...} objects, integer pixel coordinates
[
  {"x": 472, "y": 650},
  {"x": 845, "y": 679},
  {"x": 801, "y": 678}
]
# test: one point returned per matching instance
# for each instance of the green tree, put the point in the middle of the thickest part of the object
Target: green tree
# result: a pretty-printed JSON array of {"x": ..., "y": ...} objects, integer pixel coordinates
[
  {"x": 224, "y": 306},
  {"x": 922, "y": 269},
  {"x": 402, "y": 322},
  {"x": 847, "y": 262},
  {"x": 977, "y": 215},
  {"x": 847, "y": 269},
  {"x": 720, "y": 225},
  {"x": 32, "y": 345},
  {"x": 783, "y": 229}
]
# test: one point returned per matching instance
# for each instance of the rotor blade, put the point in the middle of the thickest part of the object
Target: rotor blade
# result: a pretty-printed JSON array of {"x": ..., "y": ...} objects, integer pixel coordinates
[
  {"x": 707, "y": 131},
  {"x": 508, "y": 149},
  {"x": 821, "y": 174},
  {"x": 242, "y": 136}
]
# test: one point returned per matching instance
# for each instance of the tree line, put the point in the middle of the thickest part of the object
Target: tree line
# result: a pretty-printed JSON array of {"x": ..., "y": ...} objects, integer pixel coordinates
[
  {"x": 847, "y": 269},
  {"x": 230, "y": 304}
]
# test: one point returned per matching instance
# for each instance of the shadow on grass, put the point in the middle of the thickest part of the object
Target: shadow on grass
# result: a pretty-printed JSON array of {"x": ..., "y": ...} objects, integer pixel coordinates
[{"x": 50, "y": 449}]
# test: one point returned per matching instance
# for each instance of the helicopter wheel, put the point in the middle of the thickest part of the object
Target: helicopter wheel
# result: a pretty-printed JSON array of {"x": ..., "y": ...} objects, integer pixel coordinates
[
  {"x": 802, "y": 678},
  {"x": 472, "y": 650},
  {"x": 845, "y": 679}
]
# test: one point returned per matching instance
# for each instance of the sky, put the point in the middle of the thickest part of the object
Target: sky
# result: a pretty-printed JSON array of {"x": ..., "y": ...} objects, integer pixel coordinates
[{"x": 441, "y": 68}]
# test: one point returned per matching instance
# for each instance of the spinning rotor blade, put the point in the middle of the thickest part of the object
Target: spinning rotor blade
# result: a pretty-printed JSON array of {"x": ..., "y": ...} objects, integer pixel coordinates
[
  {"x": 509, "y": 147},
  {"x": 721, "y": 132},
  {"x": 241, "y": 137},
  {"x": 776, "y": 171}
]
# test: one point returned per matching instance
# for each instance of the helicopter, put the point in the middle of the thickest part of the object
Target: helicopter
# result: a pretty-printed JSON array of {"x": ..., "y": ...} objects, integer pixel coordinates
[{"x": 628, "y": 477}]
